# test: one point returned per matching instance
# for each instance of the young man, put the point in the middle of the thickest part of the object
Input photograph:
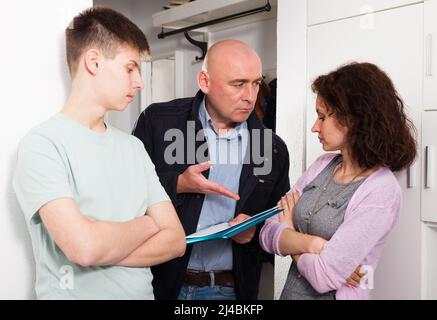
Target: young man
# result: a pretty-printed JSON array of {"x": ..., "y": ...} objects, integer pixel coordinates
[
  {"x": 96, "y": 212},
  {"x": 223, "y": 111}
]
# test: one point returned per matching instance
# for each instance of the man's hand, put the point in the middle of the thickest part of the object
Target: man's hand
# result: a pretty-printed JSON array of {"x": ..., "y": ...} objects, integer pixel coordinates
[
  {"x": 355, "y": 278},
  {"x": 287, "y": 203},
  {"x": 246, "y": 235},
  {"x": 193, "y": 181}
]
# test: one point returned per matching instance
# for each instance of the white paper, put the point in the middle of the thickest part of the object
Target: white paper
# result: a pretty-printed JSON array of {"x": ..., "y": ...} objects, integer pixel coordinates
[{"x": 211, "y": 230}]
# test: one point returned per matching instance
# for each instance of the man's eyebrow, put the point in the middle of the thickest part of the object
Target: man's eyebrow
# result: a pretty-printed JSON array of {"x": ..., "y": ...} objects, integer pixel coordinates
[
  {"x": 136, "y": 64},
  {"x": 246, "y": 80}
]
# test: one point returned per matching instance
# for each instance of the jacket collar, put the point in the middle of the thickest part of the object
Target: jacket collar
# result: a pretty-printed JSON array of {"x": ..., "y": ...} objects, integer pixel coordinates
[
  {"x": 194, "y": 116},
  {"x": 252, "y": 122}
]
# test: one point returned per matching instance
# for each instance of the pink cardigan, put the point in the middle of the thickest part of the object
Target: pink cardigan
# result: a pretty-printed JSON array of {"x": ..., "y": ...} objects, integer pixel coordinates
[{"x": 370, "y": 216}]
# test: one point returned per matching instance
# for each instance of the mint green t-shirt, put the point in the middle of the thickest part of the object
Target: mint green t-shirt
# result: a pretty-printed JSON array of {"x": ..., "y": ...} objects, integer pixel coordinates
[{"x": 110, "y": 176}]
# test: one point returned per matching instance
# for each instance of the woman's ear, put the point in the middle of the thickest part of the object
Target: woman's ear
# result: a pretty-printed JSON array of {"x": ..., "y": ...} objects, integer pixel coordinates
[
  {"x": 92, "y": 59},
  {"x": 349, "y": 122},
  {"x": 203, "y": 81}
]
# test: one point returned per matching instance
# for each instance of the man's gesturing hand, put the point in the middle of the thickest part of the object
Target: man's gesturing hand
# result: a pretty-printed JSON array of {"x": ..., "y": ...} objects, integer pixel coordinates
[{"x": 193, "y": 181}]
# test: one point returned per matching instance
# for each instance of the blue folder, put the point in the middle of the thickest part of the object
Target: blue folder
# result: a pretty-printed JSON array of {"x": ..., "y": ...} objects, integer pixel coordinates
[{"x": 222, "y": 231}]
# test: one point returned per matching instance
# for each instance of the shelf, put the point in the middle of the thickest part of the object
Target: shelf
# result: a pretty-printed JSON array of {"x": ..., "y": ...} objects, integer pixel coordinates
[{"x": 204, "y": 10}]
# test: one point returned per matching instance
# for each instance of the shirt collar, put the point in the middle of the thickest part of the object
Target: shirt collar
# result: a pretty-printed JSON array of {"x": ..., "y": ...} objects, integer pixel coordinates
[{"x": 206, "y": 121}]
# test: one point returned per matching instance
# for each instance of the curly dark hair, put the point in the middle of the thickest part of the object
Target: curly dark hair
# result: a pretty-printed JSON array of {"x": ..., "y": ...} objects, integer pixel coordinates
[{"x": 362, "y": 97}]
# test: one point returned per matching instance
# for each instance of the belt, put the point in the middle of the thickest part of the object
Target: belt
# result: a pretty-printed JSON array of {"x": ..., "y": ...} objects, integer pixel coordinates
[{"x": 213, "y": 278}]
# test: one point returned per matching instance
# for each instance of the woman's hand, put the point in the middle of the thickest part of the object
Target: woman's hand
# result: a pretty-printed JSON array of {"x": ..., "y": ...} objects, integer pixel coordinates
[
  {"x": 287, "y": 203},
  {"x": 354, "y": 279},
  {"x": 295, "y": 258}
]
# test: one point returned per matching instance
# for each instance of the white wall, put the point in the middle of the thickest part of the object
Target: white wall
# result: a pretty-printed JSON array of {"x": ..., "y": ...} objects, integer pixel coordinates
[
  {"x": 291, "y": 98},
  {"x": 34, "y": 83},
  {"x": 261, "y": 36},
  {"x": 142, "y": 12}
]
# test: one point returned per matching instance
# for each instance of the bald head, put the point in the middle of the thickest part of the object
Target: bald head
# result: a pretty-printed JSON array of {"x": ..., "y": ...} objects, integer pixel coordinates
[
  {"x": 230, "y": 80},
  {"x": 221, "y": 55}
]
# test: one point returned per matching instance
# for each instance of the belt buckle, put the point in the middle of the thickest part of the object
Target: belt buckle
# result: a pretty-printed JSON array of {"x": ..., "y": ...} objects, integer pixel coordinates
[
  {"x": 196, "y": 273},
  {"x": 193, "y": 272}
]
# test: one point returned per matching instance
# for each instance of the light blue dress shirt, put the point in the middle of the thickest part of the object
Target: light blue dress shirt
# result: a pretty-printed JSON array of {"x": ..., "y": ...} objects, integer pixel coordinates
[{"x": 226, "y": 152}]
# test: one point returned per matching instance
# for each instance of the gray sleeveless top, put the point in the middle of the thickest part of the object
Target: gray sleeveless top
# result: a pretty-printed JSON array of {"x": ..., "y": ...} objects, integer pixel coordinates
[{"x": 318, "y": 213}]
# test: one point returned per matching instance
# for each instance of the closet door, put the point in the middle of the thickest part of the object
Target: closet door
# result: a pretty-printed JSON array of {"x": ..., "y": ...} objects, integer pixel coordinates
[
  {"x": 394, "y": 41},
  {"x": 429, "y": 203},
  {"x": 429, "y": 149},
  {"x": 323, "y": 11},
  {"x": 430, "y": 55}
]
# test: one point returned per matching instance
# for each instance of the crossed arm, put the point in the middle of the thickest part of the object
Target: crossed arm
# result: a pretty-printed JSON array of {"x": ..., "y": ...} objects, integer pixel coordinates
[
  {"x": 294, "y": 243},
  {"x": 147, "y": 240}
]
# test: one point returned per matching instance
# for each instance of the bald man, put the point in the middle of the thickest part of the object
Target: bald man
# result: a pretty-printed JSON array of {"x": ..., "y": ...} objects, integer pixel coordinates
[{"x": 218, "y": 164}]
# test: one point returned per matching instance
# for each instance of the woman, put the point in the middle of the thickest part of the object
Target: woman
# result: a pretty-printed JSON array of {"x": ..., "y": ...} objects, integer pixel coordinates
[{"x": 342, "y": 209}]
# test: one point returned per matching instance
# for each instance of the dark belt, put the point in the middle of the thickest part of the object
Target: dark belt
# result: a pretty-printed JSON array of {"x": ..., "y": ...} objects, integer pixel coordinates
[{"x": 203, "y": 279}]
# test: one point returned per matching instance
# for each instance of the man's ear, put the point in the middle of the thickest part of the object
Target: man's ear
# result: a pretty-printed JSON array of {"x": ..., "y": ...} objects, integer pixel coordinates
[
  {"x": 203, "y": 81},
  {"x": 92, "y": 59}
]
